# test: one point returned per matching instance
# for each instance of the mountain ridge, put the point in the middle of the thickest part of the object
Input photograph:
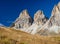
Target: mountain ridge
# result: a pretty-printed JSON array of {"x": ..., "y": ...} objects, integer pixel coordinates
[{"x": 40, "y": 23}]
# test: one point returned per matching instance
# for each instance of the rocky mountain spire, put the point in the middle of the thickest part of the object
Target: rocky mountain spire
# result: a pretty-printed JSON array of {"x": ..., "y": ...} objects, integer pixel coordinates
[
  {"x": 55, "y": 17},
  {"x": 39, "y": 21},
  {"x": 24, "y": 14},
  {"x": 40, "y": 25},
  {"x": 23, "y": 21},
  {"x": 39, "y": 17},
  {"x": 52, "y": 26}
]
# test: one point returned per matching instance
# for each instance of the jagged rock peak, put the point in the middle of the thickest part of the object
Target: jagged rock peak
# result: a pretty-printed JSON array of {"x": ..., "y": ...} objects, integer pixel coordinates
[
  {"x": 52, "y": 26},
  {"x": 23, "y": 21},
  {"x": 38, "y": 14},
  {"x": 58, "y": 5},
  {"x": 39, "y": 17},
  {"x": 56, "y": 9},
  {"x": 24, "y": 13},
  {"x": 55, "y": 17},
  {"x": 54, "y": 22}
]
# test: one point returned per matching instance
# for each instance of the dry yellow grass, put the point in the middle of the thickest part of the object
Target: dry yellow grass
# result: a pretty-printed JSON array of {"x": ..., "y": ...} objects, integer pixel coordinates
[{"x": 12, "y": 36}]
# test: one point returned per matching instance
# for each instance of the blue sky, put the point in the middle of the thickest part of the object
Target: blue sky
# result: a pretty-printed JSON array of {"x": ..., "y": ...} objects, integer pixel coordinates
[{"x": 10, "y": 9}]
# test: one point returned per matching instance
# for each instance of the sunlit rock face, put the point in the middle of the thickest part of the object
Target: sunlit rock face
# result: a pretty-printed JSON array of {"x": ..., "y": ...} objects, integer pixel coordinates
[
  {"x": 53, "y": 24},
  {"x": 40, "y": 18},
  {"x": 55, "y": 20},
  {"x": 55, "y": 17},
  {"x": 39, "y": 21},
  {"x": 41, "y": 25},
  {"x": 23, "y": 21}
]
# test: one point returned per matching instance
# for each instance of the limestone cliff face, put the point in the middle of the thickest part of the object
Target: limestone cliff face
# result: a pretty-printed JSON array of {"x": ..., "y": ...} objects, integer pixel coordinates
[
  {"x": 55, "y": 18},
  {"x": 39, "y": 18},
  {"x": 23, "y": 21},
  {"x": 39, "y": 21},
  {"x": 41, "y": 25},
  {"x": 52, "y": 26}
]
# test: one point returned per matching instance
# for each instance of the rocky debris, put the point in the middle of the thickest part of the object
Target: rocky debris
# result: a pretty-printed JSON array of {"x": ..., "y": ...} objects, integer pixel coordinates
[{"x": 23, "y": 21}]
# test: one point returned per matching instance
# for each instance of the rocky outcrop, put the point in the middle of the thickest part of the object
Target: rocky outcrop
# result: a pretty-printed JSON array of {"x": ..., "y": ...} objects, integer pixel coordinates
[
  {"x": 53, "y": 24},
  {"x": 39, "y": 21},
  {"x": 41, "y": 25},
  {"x": 23, "y": 21},
  {"x": 40, "y": 18}
]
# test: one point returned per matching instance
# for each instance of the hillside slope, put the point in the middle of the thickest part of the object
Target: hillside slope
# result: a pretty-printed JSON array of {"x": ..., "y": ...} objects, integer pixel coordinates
[{"x": 12, "y": 36}]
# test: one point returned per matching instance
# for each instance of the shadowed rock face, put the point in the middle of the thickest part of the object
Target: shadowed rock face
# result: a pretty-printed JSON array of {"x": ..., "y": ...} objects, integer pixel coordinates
[
  {"x": 23, "y": 21},
  {"x": 56, "y": 15}
]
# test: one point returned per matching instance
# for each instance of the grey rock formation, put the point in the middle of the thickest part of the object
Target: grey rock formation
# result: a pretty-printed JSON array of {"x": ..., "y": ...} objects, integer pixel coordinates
[
  {"x": 53, "y": 24},
  {"x": 23, "y": 21},
  {"x": 39, "y": 21},
  {"x": 41, "y": 24},
  {"x": 40, "y": 18}
]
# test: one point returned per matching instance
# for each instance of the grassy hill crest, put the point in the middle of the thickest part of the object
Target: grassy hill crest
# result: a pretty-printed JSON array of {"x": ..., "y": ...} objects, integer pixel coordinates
[{"x": 12, "y": 36}]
